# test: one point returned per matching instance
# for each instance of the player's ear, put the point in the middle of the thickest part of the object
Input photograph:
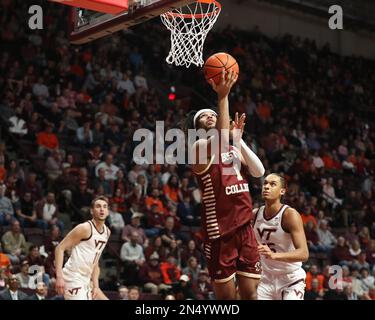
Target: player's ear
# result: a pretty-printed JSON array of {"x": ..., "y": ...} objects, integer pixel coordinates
[{"x": 282, "y": 191}]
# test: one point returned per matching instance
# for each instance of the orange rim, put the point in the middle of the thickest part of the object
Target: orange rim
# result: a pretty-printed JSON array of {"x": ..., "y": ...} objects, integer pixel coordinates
[{"x": 171, "y": 14}]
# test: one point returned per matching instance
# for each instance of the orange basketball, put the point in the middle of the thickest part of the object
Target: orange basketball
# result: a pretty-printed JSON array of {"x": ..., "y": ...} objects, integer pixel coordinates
[{"x": 216, "y": 63}]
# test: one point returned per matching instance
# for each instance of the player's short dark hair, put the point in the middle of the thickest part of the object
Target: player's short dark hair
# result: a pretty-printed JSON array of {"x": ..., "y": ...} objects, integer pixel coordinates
[
  {"x": 99, "y": 198},
  {"x": 282, "y": 179}
]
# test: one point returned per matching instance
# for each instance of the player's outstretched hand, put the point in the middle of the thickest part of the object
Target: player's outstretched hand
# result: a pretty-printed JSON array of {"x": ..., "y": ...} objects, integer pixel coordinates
[
  {"x": 228, "y": 79},
  {"x": 60, "y": 286},
  {"x": 238, "y": 127}
]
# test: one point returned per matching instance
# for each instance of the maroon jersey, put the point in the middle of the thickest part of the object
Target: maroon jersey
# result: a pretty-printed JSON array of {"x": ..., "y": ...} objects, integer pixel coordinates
[{"x": 226, "y": 199}]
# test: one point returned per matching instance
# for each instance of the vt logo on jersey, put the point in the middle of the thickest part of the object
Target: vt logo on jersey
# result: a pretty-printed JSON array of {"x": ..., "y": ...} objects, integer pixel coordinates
[
  {"x": 99, "y": 243},
  {"x": 268, "y": 232},
  {"x": 74, "y": 291}
]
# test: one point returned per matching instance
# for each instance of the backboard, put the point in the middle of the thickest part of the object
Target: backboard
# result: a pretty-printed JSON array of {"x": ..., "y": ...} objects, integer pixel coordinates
[{"x": 90, "y": 25}]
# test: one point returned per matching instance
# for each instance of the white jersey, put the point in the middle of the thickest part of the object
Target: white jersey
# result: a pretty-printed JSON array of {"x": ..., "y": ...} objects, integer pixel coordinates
[
  {"x": 86, "y": 254},
  {"x": 271, "y": 233}
]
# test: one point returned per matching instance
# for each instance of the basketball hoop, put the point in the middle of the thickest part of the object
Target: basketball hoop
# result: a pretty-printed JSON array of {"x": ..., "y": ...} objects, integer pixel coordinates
[{"x": 189, "y": 27}]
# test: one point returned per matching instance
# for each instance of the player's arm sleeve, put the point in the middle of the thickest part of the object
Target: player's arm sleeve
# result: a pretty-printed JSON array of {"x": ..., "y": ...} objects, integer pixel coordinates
[{"x": 255, "y": 166}]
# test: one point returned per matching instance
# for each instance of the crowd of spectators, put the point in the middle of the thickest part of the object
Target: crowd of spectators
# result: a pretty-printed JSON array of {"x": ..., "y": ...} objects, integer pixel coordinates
[{"x": 70, "y": 114}]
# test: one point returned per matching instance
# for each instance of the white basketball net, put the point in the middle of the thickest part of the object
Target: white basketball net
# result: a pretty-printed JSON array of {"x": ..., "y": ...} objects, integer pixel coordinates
[{"x": 189, "y": 27}]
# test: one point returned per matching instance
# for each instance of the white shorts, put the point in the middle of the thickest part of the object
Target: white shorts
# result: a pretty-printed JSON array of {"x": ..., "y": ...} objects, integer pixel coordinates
[
  {"x": 282, "y": 287},
  {"x": 76, "y": 288}
]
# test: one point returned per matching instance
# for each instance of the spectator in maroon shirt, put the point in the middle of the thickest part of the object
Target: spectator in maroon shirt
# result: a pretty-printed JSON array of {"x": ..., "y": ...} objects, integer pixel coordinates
[
  {"x": 202, "y": 288},
  {"x": 32, "y": 186},
  {"x": 352, "y": 234},
  {"x": 151, "y": 276},
  {"x": 191, "y": 251},
  {"x": 312, "y": 237},
  {"x": 156, "y": 246},
  {"x": 340, "y": 253},
  {"x": 155, "y": 221},
  {"x": 135, "y": 226}
]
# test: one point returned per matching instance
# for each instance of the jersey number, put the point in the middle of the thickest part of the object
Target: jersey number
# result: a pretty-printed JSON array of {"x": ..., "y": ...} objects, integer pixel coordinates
[{"x": 270, "y": 245}]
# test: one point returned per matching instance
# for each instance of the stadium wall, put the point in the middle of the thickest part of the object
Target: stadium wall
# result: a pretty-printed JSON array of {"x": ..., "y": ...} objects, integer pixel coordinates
[{"x": 274, "y": 20}]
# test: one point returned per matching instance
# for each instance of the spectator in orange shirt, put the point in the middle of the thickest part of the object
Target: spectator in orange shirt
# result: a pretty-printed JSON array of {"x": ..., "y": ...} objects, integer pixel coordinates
[
  {"x": 328, "y": 161},
  {"x": 171, "y": 273},
  {"x": 264, "y": 111},
  {"x": 4, "y": 261},
  {"x": 307, "y": 216},
  {"x": 313, "y": 273},
  {"x": 154, "y": 199},
  {"x": 323, "y": 122},
  {"x": 47, "y": 140}
]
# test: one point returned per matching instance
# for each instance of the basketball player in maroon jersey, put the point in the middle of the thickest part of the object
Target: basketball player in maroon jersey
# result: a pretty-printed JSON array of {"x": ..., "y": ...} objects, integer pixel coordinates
[
  {"x": 282, "y": 244},
  {"x": 229, "y": 240}
]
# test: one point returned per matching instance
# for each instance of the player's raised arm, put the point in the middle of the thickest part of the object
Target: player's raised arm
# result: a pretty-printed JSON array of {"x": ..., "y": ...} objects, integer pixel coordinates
[
  {"x": 248, "y": 157},
  {"x": 74, "y": 237},
  {"x": 211, "y": 146},
  {"x": 222, "y": 89}
]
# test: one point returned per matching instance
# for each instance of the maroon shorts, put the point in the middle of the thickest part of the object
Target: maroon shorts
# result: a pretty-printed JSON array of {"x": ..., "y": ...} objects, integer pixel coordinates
[{"x": 234, "y": 254}]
